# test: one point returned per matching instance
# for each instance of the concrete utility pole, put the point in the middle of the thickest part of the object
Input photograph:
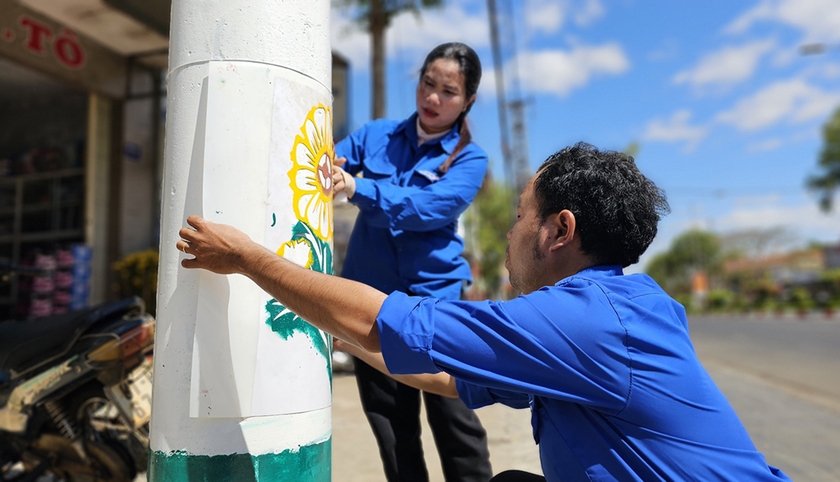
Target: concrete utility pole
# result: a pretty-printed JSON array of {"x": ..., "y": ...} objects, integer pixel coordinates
[
  {"x": 242, "y": 386},
  {"x": 515, "y": 153},
  {"x": 519, "y": 157},
  {"x": 499, "y": 70}
]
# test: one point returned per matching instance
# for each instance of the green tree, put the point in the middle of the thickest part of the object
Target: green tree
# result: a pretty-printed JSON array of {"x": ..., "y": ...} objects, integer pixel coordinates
[
  {"x": 764, "y": 292},
  {"x": 488, "y": 220},
  {"x": 831, "y": 280},
  {"x": 828, "y": 181},
  {"x": 375, "y": 16},
  {"x": 691, "y": 252},
  {"x": 800, "y": 299},
  {"x": 720, "y": 300}
]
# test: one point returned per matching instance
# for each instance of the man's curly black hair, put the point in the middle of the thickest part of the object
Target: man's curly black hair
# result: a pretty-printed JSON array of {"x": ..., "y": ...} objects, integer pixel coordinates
[{"x": 616, "y": 207}]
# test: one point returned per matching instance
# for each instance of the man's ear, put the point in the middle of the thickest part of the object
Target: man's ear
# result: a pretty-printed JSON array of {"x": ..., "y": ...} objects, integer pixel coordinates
[{"x": 563, "y": 226}]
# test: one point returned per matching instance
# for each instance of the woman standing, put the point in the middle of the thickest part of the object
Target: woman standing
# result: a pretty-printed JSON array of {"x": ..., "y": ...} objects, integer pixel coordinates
[{"x": 417, "y": 176}]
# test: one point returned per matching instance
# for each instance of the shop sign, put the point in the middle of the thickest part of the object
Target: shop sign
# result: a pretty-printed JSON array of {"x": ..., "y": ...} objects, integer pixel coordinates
[
  {"x": 39, "y": 36},
  {"x": 44, "y": 45}
]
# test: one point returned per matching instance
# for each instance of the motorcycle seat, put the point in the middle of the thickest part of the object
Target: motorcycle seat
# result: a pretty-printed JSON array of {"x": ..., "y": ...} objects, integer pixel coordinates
[{"x": 25, "y": 343}]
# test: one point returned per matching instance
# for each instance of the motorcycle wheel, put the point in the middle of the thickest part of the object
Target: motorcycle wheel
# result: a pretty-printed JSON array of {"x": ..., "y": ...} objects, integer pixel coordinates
[
  {"x": 112, "y": 464},
  {"x": 106, "y": 439},
  {"x": 107, "y": 465},
  {"x": 104, "y": 434},
  {"x": 104, "y": 462}
]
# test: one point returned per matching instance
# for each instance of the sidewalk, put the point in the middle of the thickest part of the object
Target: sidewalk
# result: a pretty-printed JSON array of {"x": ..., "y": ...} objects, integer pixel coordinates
[{"x": 355, "y": 455}]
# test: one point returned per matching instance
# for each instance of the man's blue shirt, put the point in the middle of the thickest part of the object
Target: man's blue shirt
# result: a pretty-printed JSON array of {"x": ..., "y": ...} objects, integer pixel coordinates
[
  {"x": 605, "y": 363},
  {"x": 405, "y": 237}
]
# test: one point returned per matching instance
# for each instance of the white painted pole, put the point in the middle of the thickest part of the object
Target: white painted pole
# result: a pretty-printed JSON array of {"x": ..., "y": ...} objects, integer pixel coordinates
[{"x": 242, "y": 387}]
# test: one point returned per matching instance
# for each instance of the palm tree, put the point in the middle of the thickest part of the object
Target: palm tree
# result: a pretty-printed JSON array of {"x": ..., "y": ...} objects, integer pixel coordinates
[{"x": 375, "y": 16}]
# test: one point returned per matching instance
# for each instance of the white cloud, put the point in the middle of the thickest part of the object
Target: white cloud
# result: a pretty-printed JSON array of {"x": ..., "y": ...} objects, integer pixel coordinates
[
  {"x": 786, "y": 56},
  {"x": 818, "y": 20},
  {"x": 559, "y": 72},
  {"x": 824, "y": 71},
  {"x": 544, "y": 16},
  {"x": 831, "y": 71},
  {"x": 794, "y": 101},
  {"x": 666, "y": 50},
  {"x": 587, "y": 13},
  {"x": 347, "y": 39},
  {"x": 549, "y": 15},
  {"x": 410, "y": 34},
  {"x": 806, "y": 219},
  {"x": 765, "y": 146},
  {"x": 436, "y": 26},
  {"x": 728, "y": 65},
  {"x": 487, "y": 88},
  {"x": 675, "y": 129}
]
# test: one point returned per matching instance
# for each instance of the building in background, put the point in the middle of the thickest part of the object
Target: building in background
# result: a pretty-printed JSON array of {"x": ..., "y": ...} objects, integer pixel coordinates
[
  {"x": 81, "y": 97},
  {"x": 784, "y": 269},
  {"x": 832, "y": 257}
]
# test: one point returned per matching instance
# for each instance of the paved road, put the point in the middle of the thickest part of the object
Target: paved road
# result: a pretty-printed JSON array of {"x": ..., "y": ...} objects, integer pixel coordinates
[
  {"x": 782, "y": 376},
  {"x": 797, "y": 355}
]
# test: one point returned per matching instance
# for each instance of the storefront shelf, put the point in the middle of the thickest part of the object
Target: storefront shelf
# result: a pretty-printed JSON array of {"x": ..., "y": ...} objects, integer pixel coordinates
[
  {"x": 39, "y": 213},
  {"x": 52, "y": 235},
  {"x": 42, "y": 176},
  {"x": 37, "y": 208},
  {"x": 69, "y": 234}
]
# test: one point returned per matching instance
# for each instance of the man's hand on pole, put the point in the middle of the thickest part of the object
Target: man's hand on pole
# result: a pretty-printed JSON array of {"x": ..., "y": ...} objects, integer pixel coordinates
[
  {"x": 343, "y": 308},
  {"x": 216, "y": 247}
]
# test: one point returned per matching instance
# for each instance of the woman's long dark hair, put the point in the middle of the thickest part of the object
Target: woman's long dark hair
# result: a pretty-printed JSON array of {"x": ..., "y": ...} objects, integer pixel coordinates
[{"x": 470, "y": 66}]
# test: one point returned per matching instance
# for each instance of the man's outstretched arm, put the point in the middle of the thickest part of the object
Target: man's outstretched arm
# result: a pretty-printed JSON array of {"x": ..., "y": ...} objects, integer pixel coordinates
[{"x": 343, "y": 308}]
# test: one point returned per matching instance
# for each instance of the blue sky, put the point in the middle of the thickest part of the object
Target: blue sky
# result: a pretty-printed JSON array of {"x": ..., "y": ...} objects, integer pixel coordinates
[{"x": 727, "y": 113}]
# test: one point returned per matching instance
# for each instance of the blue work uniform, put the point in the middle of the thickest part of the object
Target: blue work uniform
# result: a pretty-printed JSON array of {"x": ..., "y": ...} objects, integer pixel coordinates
[
  {"x": 405, "y": 238},
  {"x": 606, "y": 365}
]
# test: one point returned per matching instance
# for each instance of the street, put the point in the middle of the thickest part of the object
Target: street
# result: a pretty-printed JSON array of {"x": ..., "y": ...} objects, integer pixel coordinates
[{"x": 782, "y": 376}]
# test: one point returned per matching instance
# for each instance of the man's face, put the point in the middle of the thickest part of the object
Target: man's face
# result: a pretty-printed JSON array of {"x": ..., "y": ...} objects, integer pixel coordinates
[{"x": 524, "y": 252}]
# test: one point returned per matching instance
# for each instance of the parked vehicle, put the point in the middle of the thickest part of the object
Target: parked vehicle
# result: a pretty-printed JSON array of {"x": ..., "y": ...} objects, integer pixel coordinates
[{"x": 75, "y": 394}]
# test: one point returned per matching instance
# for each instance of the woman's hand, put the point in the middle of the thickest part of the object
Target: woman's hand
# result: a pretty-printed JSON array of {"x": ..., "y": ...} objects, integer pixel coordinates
[{"x": 342, "y": 180}]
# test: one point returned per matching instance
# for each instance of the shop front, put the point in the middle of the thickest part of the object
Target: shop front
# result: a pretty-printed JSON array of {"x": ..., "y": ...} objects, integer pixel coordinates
[
  {"x": 79, "y": 152},
  {"x": 82, "y": 107}
]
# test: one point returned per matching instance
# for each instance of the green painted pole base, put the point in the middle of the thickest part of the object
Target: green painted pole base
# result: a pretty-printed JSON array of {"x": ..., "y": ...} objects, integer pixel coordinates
[{"x": 312, "y": 463}]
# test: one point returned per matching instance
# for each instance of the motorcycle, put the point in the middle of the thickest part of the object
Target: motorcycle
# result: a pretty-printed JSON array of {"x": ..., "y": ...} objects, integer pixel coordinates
[{"x": 75, "y": 394}]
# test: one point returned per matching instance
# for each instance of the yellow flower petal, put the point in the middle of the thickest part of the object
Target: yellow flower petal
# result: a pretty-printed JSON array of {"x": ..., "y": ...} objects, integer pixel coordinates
[
  {"x": 311, "y": 173},
  {"x": 298, "y": 251}
]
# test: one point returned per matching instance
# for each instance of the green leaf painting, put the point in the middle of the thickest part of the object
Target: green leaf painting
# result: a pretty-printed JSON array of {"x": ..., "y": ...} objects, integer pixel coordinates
[
  {"x": 319, "y": 258},
  {"x": 286, "y": 323}
]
